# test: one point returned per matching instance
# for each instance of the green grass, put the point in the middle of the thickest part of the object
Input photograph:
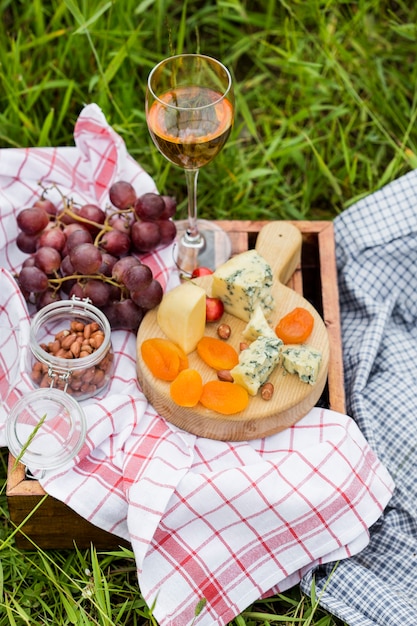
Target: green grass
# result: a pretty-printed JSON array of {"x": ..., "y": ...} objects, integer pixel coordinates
[
  {"x": 326, "y": 114},
  {"x": 326, "y": 92}
]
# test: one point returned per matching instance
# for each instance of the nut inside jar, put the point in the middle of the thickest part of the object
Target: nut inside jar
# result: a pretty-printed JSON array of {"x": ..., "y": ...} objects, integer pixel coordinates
[{"x": 71, "y": 349}]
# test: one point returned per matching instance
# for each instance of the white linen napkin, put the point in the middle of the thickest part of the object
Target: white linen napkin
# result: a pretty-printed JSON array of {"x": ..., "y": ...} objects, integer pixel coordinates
[{"x": 219, "y": 522}]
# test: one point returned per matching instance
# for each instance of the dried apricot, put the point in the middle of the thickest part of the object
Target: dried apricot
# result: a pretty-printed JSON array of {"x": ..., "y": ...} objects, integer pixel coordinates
[
  {"x": 164, "y": 358},
  {"x": 296, "y": 326},
  {"x": 217, "y": 354},
  {"x": 223, "y": 397},
  {"x": 187, "y": 387}
]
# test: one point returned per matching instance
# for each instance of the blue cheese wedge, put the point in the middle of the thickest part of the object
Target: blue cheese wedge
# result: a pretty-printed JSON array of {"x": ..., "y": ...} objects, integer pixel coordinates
[
  {"x": 243, "y": 283},
  {"x": 256, "y": 363},
  {"x": 258, "y": 326},
  {"x": 302, "y": 360}
]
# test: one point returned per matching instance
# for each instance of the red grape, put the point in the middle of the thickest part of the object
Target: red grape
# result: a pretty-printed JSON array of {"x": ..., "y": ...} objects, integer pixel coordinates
[
  {"x": 150, "y": 206},
  {"x": 48, "y": 259},
  {"x": 67, "y": 268},
  {"x": 107, "y": 263},
  {"x": 148, "y": 298},
  {"x": 29, "y": 262},
  {"x": 170, "y": 207},
  {"x": 146, "y": 236},
  {"x": 70, "y": 228},
  {"x": 32, "y": 220},
  {"x": 121, "y": 223},
  {"x": 27, "y": 243},
  {"x": 76, "y": 291},
  {"x": 67, "y": 285},
  {"x": 93, "y": 213},
  {"x": 168, "y": 231},
  {"x": 116, "y": 293},
  {"x": 53, "y": 238},
  {"x": 124, "y": 314},
  {"x": 76, "y": 237},
  {"x": 138, "y": 277},
  {"x": 33, "y": 280},
  {"x": 65, "y": 218},
  {"x": 46, "y": 297},
  {"x": 85, "y": 258},
  {"x": 116, "y": 243},
  {"x": 122, "y": 195},
  {"x": 121, "y": 267},
  {"x": 98, "y": 291},
  {"x": 46, "y": 205}
]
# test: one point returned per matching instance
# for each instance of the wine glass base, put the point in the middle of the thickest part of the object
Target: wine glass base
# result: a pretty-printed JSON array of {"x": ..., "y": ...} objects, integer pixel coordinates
[{"x": 217, "y": 248}]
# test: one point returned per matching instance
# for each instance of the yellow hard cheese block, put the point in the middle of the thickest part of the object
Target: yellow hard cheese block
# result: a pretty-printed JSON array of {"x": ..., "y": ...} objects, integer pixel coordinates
[
  {"x": 182, "y": 315},
  {"x": 243, "y": 283}
]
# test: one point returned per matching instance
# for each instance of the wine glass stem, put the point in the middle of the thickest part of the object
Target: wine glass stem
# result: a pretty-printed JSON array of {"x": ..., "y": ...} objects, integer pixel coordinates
[{"x": 192, "y": 238}]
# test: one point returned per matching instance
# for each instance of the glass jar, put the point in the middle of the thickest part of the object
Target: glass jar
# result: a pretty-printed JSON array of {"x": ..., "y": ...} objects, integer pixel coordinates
[
  {"x": 45, "y": 429},
  {"x": 70, "y": 348}
]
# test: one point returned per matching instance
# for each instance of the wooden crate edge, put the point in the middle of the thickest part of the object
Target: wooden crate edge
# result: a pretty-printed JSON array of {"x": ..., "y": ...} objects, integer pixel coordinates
[{"x": 331, "y": 314}]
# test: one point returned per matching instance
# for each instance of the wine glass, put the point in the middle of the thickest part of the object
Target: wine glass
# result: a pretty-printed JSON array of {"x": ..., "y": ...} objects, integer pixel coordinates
[{"x": 189, "y": 112}]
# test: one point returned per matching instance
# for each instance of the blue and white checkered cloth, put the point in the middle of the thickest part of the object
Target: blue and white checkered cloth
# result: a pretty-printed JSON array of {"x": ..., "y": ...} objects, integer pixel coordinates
[{"x": 376, "y": 247}]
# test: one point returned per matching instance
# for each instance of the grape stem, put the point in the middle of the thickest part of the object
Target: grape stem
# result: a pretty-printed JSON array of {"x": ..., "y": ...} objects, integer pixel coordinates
[
  {"x": 67, "y": 211},
  {"x": 57, "y": 282}
]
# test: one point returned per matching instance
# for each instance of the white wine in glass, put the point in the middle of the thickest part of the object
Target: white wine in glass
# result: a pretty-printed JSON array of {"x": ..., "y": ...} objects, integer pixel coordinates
[{"x": 189, "y": 112}]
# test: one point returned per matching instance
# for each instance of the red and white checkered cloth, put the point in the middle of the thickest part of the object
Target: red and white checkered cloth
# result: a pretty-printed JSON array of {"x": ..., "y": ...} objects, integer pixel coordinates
[{"x": 224, "y": 523}]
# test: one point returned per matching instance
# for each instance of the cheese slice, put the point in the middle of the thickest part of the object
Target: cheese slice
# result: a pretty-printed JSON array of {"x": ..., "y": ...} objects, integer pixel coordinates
[
  {"x": 182, "y": 315},
  {"x": 302, "y": 360},
  {"x": 243, "y": 283},
  {"x": 256, "y": 363},
  {"x": 258, "y": 326}
]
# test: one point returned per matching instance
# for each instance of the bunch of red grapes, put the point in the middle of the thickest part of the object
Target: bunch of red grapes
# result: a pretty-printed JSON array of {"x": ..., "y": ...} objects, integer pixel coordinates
[{"x": 88, "y": 253}]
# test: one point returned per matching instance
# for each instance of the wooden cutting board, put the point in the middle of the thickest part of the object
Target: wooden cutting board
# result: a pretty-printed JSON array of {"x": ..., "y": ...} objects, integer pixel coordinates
[{"x": 280, "y": 244}]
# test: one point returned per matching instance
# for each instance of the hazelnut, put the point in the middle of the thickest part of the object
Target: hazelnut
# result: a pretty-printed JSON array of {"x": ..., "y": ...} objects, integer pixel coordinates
[
  {"x": 224, "y": 331},
  {"x": 243, "y": 345},
  {"x": 267, "y": 391},
  {"x": 225, "y": 376}
]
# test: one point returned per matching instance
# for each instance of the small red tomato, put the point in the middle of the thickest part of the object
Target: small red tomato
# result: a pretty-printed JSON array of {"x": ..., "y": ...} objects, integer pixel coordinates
[
  {"x": 214, "y": 309},
  {"x": 201, "y": 271}
]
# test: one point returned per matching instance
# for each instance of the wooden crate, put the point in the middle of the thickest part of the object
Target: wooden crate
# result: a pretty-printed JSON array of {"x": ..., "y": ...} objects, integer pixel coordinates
[{"x": 51, "y": 524}]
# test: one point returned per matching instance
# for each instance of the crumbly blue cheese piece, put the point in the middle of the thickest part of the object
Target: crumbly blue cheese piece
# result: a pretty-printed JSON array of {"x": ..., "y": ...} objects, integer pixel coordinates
[
  {"x": 243, "y": 283},
  {"x": 256, "y": 363},
  {"x": 302, "y": 360},
  {"x": 258, "y": 326}
]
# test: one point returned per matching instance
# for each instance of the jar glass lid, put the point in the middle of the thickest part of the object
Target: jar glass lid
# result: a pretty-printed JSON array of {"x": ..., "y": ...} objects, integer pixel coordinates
[{"x": 45, "y": 429}]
